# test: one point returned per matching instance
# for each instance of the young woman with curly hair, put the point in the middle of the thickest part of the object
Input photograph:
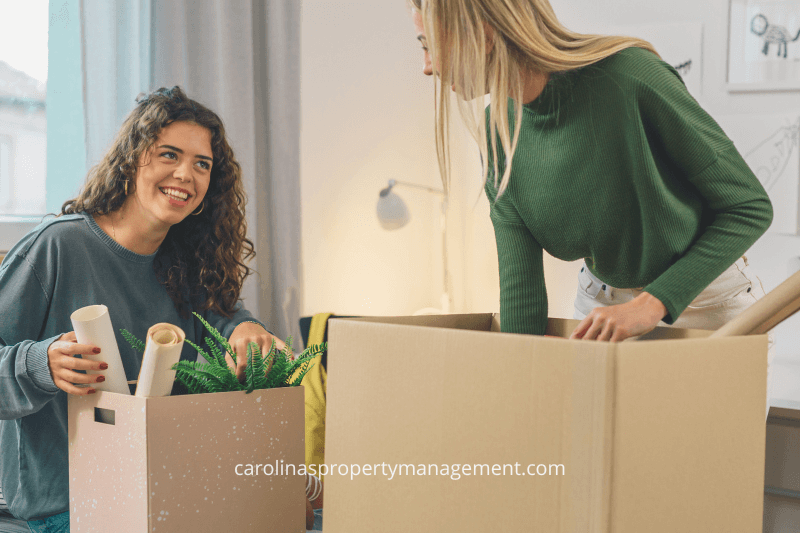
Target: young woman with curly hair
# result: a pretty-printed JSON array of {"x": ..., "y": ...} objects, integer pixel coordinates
[
  {"x": 613, "y": 160},
  {"x": 157, "y": 232}
]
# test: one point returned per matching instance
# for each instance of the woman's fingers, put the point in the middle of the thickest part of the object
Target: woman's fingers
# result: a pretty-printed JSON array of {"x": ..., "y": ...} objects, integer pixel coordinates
[
  {"x": 75, "y": 377},
  {"x": 279, "y": 344},
  {"x": 240, "y": 347},
  {"x": 594, "y": 329},
  {"x": 64, "y": 365},
  {"x": 69, "y": 388},
  {"x": 75, "y": 363}
]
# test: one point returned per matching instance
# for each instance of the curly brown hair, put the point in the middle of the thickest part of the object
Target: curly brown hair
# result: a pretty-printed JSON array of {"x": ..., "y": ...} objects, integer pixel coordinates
[{"x": 201, "y": 262}]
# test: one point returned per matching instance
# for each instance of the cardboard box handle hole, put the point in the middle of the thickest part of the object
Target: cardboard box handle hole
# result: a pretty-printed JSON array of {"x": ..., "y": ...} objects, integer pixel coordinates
[{"x": 105, "y": 416}]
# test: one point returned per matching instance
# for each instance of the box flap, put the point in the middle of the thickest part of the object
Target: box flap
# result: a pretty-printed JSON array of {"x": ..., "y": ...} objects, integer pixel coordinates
[
  {"x": 477, "y": 321},
  {"x": 690, "y": 434}
]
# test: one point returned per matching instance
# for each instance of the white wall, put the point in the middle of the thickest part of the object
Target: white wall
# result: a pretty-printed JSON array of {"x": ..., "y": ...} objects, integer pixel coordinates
[{"x": 368, "y": 116}]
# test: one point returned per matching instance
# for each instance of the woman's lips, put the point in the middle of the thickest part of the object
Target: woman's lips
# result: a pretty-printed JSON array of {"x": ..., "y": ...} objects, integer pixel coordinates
[{"x": 174, "y": 200}]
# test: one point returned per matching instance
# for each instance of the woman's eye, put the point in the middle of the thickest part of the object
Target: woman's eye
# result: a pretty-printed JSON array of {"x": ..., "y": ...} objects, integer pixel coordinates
[
  {"x": 170, "y": 155},
  {"x": 204, "y": 165}
]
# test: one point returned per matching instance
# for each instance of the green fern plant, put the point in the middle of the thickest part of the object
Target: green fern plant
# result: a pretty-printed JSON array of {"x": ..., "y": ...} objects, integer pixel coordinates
[{"x": 278, "y": 368}]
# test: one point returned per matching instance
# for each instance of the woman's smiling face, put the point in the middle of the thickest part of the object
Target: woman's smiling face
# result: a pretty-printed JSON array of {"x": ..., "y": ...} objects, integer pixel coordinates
[{"x": 173, "y": 176}]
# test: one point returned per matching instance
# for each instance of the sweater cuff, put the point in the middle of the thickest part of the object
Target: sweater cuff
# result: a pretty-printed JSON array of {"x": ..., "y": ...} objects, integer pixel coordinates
[
  {"x": 37, "y": 366},
  {"x": 235, "y": 325},
  {"x": 673, "y": 312}
]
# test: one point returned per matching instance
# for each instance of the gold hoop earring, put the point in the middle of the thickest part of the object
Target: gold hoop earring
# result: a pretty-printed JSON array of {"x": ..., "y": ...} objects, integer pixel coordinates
[
  {"x": 125, "y": 187},
  {"x": 202, "y": 206}
]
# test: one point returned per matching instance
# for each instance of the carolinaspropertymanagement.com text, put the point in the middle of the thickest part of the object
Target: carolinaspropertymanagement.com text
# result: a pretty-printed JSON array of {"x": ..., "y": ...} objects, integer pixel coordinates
[{"x": 389, "y": 471}]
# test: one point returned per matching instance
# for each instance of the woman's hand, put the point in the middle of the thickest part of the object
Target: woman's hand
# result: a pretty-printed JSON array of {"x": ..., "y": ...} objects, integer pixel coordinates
[
  {"x": 618, "y": 322},
  {"x": 240, "y": 339},
  {"x": 63, "y": 364}
]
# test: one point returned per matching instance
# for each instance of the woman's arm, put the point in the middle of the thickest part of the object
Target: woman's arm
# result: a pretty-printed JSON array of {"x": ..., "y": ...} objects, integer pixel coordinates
[
  {"x": 25, "y": 379},
  {"x": 523, "y": 295},
  {"x": 736, "y": 208}
]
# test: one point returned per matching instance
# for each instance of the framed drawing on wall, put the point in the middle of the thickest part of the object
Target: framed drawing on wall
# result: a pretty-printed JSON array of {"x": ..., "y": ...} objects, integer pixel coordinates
[{"x": 764, "y": 45}]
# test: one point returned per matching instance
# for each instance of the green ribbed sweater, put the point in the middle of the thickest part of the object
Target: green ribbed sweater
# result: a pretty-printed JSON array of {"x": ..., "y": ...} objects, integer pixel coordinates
[{"x": 617, "y": 164}]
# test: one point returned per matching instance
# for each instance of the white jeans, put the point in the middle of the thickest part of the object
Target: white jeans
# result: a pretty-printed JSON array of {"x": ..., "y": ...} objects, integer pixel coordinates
[{"x": 732, "y": 292}]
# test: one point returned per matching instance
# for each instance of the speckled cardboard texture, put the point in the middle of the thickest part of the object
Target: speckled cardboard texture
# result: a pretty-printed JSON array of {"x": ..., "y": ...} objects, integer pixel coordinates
[
  {"x": 645, "y": 429},
  {"x": 175, "y": 459},
  {"x": 107, "y": 464}
]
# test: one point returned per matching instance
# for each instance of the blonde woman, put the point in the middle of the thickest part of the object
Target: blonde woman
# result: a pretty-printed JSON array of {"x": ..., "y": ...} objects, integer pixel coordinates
[{"x": 613, "y": 162}]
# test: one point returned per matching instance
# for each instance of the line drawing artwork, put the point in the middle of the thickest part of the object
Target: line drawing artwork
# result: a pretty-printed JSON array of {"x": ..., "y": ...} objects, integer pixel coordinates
[
  {"x": 684, "y": 68},
  {"x": 770, "y": 145},
  {"x": 772, "y": 34},
  {"x": 769, "y": 158}
]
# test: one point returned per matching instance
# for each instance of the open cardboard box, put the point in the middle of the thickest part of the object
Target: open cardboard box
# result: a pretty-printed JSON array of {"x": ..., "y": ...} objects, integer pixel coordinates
[
  {"x": 170, "y": 464},
  {"x": 661, "y": 434}
]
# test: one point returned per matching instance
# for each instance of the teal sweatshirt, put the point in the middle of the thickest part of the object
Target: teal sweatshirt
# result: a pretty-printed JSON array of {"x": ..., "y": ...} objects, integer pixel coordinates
[
  {"x": 618, "y": 165},
  {"x": 64, "y": 264}
]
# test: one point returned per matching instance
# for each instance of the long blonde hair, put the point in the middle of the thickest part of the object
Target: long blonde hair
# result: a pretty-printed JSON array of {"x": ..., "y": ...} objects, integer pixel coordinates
[{"x": 526, "y": 37}]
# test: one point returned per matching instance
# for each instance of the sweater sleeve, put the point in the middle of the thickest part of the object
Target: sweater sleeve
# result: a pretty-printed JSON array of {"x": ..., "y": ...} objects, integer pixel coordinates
[
  {"x": 523, "y": 295},
  {"x": 226, "y": 325},
  {"x": 736, "y": 206},
  {"x": 25, "y": 378}
]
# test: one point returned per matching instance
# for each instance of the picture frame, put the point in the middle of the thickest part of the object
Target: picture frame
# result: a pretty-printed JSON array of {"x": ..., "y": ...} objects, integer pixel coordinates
[{"x": 764, "y": 45}]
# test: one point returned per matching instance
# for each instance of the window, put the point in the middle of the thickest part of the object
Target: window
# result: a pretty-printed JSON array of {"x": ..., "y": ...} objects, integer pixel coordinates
[{"x": 23, "y": 122}]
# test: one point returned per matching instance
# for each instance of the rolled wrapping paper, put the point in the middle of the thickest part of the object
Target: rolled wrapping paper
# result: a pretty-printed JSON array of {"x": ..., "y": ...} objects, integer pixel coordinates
[
  {"x": 92, "y": 325},
  {"x": 778, "y": 305},
  {"x": 163, "y": 350}
]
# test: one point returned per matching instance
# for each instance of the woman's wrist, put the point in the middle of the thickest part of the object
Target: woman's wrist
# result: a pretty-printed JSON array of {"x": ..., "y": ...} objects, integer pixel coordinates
[
  {"x": 253, "y": 322},
  {"x": 654, "y": 307}
]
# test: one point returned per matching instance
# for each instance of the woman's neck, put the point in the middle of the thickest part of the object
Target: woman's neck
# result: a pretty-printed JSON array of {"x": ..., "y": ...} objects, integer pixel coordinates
[
  {"x": 533, "y": 85},
  {"x": 131, "y": 233}
]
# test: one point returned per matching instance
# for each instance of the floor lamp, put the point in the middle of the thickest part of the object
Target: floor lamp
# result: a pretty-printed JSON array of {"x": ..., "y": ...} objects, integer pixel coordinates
[{"x": 393, "y": 214}]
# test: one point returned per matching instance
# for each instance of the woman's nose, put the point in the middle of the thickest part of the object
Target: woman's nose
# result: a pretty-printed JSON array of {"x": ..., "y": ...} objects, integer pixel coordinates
[
  {"x": 427, "y": 69},
  {"x": 183, "y": 171}
]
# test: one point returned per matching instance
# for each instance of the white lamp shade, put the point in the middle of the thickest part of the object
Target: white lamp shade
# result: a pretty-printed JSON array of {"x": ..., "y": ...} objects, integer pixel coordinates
[{"x": 392, "y": 211}]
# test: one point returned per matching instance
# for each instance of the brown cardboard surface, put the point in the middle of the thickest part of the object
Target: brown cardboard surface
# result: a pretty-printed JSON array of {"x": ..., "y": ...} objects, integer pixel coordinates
[
  {"x": 168, "y": 464},
  {"x": 655, "y": 435}
]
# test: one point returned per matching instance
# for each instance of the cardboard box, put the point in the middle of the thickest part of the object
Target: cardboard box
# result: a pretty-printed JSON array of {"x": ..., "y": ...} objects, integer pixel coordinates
[
  {"x": 654, "y": 435},
  {"x": 169, "y": 464}
]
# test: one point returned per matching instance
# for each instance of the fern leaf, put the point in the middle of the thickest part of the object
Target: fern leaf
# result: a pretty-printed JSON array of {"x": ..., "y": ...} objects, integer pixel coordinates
[
  {"x": 287, "y": 350},
  {"x": 309, "y": 353},
  {"x": 210, "y": 376},
  {"x": 279, "y": 372},
  {"x": 136, "y": 344},
  {"x": 199, "y": 350},
  {"x": 218, "y": 355},
  {"x": 249, "y": 371},
  {"x": 259, "y": 368},
  {"x": 217, "y": 335},
  {"x": 297, "y": 381},
  {"x": 190, "y": 381}
]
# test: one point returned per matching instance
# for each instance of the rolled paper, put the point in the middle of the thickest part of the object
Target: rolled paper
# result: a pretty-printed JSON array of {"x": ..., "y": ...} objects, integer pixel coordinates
[
  {"x": 163, "y": 350},
  {"x": 778, "y": 305},
  {"x": 92, "y": 325}
]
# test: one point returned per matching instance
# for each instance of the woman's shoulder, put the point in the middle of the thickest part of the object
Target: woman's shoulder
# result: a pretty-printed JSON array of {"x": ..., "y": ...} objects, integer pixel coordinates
[
  {"x": 52, "y": 233},
  {"x": 637, "y": 65}
]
